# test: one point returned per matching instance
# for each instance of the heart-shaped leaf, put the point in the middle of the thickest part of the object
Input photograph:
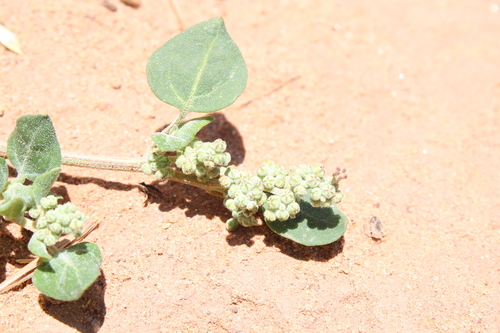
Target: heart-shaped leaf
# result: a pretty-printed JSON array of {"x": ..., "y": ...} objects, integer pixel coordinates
[
  {"x": 69, "y": 273},
  {"x": 32, "y": 147},
  {"x": 313, "y": 225},
  {"x": 182, "y": 137},
  {"x": 199, "y": 70}
]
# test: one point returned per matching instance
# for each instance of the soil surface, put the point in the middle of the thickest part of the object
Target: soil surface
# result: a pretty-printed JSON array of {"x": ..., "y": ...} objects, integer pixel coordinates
[{"x": 403, "y": 94}]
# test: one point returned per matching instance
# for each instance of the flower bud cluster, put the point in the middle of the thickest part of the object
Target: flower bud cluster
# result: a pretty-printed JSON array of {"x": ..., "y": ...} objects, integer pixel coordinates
[
  {"x": 54, "y": 221},
  {"x": 311, "y": 179},
  {"x": 158, "y": 164},
  {"x": 244, "y": 195},
  {"x": 203, "y": 159},
  {"x": 272, "y": 175},
  {"x": 281, "y": 206}
]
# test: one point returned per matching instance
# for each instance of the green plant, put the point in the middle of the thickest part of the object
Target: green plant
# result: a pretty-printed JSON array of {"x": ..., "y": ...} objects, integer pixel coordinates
[{"x": 200, "y": 70}]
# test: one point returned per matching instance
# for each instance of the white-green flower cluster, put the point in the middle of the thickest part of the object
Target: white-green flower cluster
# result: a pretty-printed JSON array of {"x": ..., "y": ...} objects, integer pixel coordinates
[
  {"x": 244, "y": 195},
  {"x": 54, "y": 221},
  {"x": 158, "y": 164},
  {"x": 278, "y": 190},
  {"x": 300, "y": 181},
  {"x": 203, "y": 159}
]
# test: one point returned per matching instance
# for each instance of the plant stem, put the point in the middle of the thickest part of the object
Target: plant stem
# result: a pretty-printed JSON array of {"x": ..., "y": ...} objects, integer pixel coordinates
[
  {"x": 176, "y": 123},
  {"x": 128, "y": 164},
  {"x": 102, "y": 162},
  {"x": 93, "y": 161}
]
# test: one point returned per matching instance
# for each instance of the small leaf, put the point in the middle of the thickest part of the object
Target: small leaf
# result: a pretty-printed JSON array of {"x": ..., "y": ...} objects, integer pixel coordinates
[
  {"x": 9, "y": 40},
  {"x": 39, "y": 249},
  {"x": 69, "y": 273},
  {"x": 199, "y": 70},
  {"x": 42, "y": 184},
  {"x": 313, "y": 225},
  {"x": 4, "y": 174},
  {"x": 13, "y": 209},
  {"x": 33, "y": 148},
  {"x": 166, "y": 142},
  {"x": 182, "y": 137}
]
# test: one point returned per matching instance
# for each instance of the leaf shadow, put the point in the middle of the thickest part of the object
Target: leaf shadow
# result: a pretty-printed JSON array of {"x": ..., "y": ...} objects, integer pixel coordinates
[
  {"x": 86, "y": 314},
  {"x": 13, "y": 246},
  {"x": 195, "y": 201},
  {"x": 322, "y": 253}
]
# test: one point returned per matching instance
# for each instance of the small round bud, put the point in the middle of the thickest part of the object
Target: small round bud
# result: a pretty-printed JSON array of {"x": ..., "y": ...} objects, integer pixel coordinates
[
  {"x": 50, "y": 240},
  {"x": 34, "y": 212},
  {"x": 225, "y": 181},
  {"x": 282, "y": 215},
  {"x": 295, "y": 180},
  {"x": 202, "y": 155},
  {"x": 188, "y": 168},
  {"x": 219, "y": 146},
  {"x": 241, "y": 201},
  {"x": 55, "y": 228},
  {"x": 234, "y": 174},
  {"x": 49, "y": 202},
  {"x": 269, "y": 216},
  {"x": 179, "y": 162},
  {"x": 234, "y": 191},
  {"x": 63, "y": 219},
  {"x": 338, "y": 197},
  {"x": 312, "y": 180},
  {"x": 268, "y": 183},
  {"x": 316, "y": 194},
  {"x": 300, "y": 191},
  {"x": 146, "y": 168},
  {"x": 51, "y": 216},
  {"x": 230, "y": 204},
  {"x": 274, "y": 202},
  {"x": 293, "y": 208},
  {"x": 41, "y": 223},
  {"x": 209, "y": 165},
  {"x": 247, "y": 221},
  {"x": 287, "y": 197},
  {"x": 232, "y": 224},
  {"x": 252, "y": 206},
  {"x": 40, "y": 234},
  {"x": 69, "y": 208}
]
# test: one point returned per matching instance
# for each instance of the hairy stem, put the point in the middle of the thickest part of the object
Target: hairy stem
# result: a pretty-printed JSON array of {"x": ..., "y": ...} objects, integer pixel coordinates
[
  {"x": 102, "y": 162},
  {"x": 176, "y": 123},
  {"x": 127, "y": 164}
]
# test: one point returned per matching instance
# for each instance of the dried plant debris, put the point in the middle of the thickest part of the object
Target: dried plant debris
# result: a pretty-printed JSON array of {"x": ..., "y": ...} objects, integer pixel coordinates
[
  {"x": 132, "y": 3},
  {"x": 9, "y": 40},
  {"x": 374, "y": 228}
]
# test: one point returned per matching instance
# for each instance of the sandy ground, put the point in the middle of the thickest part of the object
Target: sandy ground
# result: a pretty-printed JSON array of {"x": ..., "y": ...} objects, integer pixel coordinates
[{"x": 404, "y": 94}]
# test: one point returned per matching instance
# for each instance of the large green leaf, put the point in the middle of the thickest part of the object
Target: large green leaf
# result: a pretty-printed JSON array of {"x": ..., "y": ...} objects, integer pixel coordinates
[
  {"x": 199, "y": 70},
  {"x": 313, "y": 225},
  {"x": 33, "y": 148},
  {"x": 69, "y": 273},
  {"x": 182, "y": 137}
]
